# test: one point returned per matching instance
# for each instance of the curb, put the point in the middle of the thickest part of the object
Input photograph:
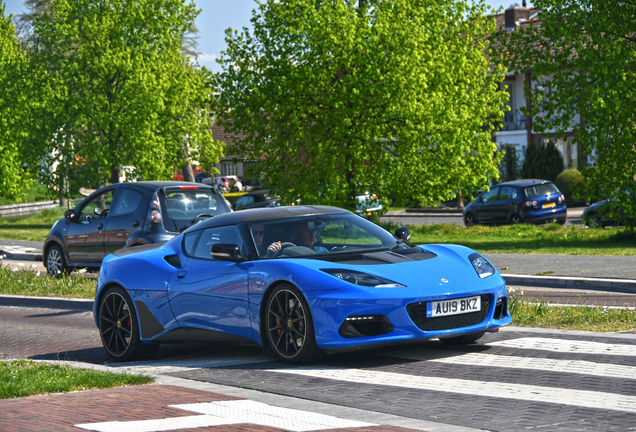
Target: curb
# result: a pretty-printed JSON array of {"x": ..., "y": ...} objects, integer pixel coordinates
[
  {"x": 46, "y": 302},
  {"x": 21, "y": 256},
  {"x": 571, "y": 282}
]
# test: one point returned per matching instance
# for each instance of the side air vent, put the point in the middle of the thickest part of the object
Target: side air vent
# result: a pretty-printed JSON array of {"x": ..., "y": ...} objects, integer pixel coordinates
[{"x": 173, "y": 260}]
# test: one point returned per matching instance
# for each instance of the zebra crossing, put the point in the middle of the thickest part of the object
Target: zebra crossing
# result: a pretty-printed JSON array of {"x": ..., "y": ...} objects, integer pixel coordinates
[{"x": 509, "y": 381}]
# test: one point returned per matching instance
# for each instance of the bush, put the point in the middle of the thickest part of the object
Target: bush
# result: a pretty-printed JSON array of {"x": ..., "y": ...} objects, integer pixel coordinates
[
  {"x": 571, "y": 182},
  {"x": 545, "y": 162}
]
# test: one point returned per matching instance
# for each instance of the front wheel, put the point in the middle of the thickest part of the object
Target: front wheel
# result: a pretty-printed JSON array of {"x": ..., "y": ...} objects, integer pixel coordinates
[
  {"x": 463, "y": 339},
  {"x": 55, "y": 262},
  {"x": 593, "y": 221},
  {"x": 289, "y": 326},
  {"x": 118, "y": 327}
]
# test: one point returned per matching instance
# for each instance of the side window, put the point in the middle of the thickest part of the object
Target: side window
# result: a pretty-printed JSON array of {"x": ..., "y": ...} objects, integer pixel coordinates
[
  {"x": 97, "y": 207},
  {"x": 189, "y": 240},
  {"x": 212, "y": 236},
  {"x": 491, "y": 195},
  {"x": 128, "y": 202},
  {"x": 506, "y": 193}
]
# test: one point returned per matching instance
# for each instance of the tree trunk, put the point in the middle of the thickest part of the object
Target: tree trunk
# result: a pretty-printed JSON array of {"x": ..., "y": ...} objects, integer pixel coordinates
[
  {"x": 460, "y": 201},
  {"x": 114, "y": 175},
  {"x": 188, "y": 174}
]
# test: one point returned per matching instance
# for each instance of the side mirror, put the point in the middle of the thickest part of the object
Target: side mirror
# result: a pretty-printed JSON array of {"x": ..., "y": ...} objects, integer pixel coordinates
[
  {"x": 69, "y": 214},
  {"x": 227, "y": 252},
  {"x": 403, "y": 233}
]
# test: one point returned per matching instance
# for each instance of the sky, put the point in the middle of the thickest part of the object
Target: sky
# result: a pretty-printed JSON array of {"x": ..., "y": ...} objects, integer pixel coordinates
[{"x": 218, "y": 15}]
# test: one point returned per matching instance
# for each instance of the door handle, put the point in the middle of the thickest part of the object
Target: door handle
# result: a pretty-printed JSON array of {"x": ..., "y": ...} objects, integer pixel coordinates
[
  {"x": 181, "y": 274},
  {"x": 136, "y": 224},
  {"x": 100, "y": 226}
]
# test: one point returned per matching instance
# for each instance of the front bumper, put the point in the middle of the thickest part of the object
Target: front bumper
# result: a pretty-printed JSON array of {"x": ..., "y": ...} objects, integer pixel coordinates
[{"x": 406, "y": 319}]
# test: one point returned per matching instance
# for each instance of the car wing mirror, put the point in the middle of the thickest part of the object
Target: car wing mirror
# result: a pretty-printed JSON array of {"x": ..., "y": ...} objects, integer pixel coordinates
[
  {"x": 227, "y": 252},
  {"x": 69, "y": 214},
  {"x": 403, "y": 233}
]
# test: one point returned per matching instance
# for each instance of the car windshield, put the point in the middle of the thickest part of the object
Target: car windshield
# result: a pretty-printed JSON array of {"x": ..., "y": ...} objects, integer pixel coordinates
[
  {"x": 311, "y": 235},
  {"x": 181, "y": 206},
  {"x": 540, "y": 190}
]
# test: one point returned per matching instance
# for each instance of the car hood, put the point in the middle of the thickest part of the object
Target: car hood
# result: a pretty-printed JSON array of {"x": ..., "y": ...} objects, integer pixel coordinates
[
  {"x": 594, "y": 206},
  {"x": 449, "y": 271}
]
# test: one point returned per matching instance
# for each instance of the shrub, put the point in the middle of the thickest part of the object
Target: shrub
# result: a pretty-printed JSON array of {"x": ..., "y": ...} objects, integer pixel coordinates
[
  {"x": 545, "y": 162},
  {"x": 510, "y": 168},
  {"x": 571, "y": 182}
]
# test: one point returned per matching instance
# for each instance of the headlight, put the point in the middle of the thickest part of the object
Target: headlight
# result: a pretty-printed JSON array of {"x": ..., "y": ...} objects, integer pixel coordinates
[
  {"x": 482, "y": 267},
  {"x": 362, "y": 279}
]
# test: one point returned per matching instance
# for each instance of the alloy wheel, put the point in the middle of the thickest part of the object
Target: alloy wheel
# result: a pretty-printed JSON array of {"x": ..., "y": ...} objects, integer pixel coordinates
[
  {"x": 54, "y": 262},
  {"x": 515, "y": 219},
  {"x": 469, "y": 220},
  {"x": 286, "y": 324},
  {"x": 115, "y": 324}
]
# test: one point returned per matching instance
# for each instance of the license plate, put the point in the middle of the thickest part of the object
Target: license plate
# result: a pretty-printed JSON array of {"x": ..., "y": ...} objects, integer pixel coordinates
[
  {"x": 548, "y": 205},
  {"x": 453, "y": 307}
]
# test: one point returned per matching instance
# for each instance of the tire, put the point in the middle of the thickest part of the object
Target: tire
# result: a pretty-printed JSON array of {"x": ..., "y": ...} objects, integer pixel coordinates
[
  {"x": 119, "y": 329},
  {"x": 463, "y": 339},
  {"x": 515, "y": 219},
  {"x": 55, "y": 262},
  {"x": 289, "y": 326},
  {"x": 469, "y": 219},
  {"x": 593, "y": 221}
]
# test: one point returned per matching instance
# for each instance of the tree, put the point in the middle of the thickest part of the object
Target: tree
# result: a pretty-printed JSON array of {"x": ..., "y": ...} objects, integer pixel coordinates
[
  {"x": 119, "y": 91},
  {"x": 13, "y": 105},
  {"x": 332, "y": 96},
  {"x": 583, "y": 55},
  {"x": 544, "y": 162}
]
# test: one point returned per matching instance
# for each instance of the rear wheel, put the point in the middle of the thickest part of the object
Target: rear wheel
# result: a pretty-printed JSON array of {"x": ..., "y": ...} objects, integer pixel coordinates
[
  {"x": 469, "y": 219},
  {"x": 55, "y": 262},
  {"x": 289, "y": 326},
  {"x": 463, "y": 339},
  {"x": 515, "y": 219},
  {"x": 118, "y": 327}
]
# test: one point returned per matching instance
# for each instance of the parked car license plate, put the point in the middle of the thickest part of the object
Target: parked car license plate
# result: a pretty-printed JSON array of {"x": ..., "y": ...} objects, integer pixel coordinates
[
  {"x": 548, "y": 205},
  {"x": 453, "y": 307}
]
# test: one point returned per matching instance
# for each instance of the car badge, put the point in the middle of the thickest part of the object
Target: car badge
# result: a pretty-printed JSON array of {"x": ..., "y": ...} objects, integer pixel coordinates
[{"x": 444, "y": 280}]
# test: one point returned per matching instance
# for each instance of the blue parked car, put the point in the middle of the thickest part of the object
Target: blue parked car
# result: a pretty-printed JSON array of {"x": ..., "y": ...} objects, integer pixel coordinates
[
  {"x": 520, "y": 201},
  {"x": 335, "y": 282}
]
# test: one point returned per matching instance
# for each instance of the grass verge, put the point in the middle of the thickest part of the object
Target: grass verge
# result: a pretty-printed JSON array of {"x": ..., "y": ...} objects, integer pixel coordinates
[
  {"x": 32, "y": 227},
  {"x": 30, "y": 283},
  {"x": 27, "y": 377},
  {"x": 540, "y": 314},
  {"x": 528, "y": 239}
]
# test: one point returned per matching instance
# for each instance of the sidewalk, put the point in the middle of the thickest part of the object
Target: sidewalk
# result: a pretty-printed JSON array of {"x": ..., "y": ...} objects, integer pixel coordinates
[{"x": 608, "y": 273}]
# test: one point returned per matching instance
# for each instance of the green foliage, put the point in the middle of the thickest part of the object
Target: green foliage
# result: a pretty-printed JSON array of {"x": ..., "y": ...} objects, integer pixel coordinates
[
  {"x": 510, "y": 168},
  {"x": 582, "y": 58},
  {"x": 544, "y": 162},
  {"x": 13, "y": 103},
  {"x": 571, "y": 182},
  {"x": 116, "y": 91},
  {"x": 20, "y": 378},
  {"x": 395, "y": 95}
]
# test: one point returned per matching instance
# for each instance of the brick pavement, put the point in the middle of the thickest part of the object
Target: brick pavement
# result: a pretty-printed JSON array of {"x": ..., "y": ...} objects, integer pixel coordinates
[{"x": 61, "y": 412}]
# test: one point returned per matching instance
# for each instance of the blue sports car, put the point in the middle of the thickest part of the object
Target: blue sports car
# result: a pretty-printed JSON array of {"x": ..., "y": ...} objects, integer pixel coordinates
[{"x": 301, "y": 281}]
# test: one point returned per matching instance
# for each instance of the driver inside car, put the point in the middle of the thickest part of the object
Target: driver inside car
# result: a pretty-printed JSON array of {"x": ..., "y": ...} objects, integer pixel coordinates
[{"x": 303, "y": 236}]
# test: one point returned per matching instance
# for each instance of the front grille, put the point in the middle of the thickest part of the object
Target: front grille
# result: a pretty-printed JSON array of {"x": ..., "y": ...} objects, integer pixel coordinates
[{"x": 417, "y": 312}]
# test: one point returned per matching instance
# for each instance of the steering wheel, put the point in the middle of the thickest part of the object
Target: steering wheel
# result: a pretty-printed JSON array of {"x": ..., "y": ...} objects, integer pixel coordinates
[
  {"x": 284, "y": 245},
  {"x": 200, "y": 216},
  {"x": 338, "y": 248},
  {"x": 88, "y": 217}
]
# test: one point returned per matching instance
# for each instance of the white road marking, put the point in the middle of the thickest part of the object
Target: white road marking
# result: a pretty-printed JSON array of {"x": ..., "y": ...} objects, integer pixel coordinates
[
  {"x": 580, "y": 398},
  {"x": 567, "y": 346},
  {"x": 228, "y": 413},
  {"x": 605, "y": 370}
]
